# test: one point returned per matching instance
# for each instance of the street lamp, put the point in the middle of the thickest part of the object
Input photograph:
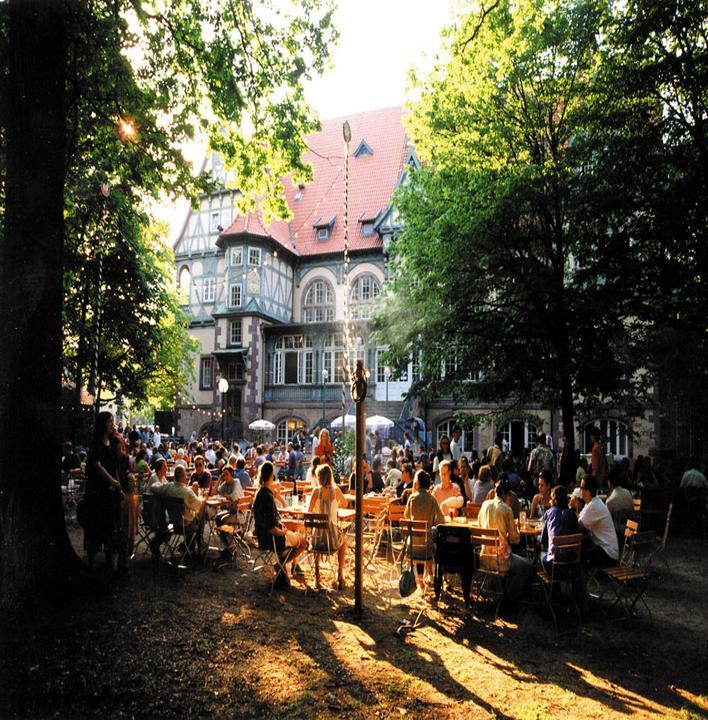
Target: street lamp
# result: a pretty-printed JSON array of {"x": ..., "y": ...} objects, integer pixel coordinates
[
  {"x": 387, "y": 375},
  {"x": 223, "y": 389},
  {"x": 325, "y": 377}
]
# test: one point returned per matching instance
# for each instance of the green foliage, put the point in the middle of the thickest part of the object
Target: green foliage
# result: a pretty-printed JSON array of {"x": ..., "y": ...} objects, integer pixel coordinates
[
  {"x": 343, "y": 453},
  {"x": 143, "y": 80},
  {"x": 529, "y": 254}
]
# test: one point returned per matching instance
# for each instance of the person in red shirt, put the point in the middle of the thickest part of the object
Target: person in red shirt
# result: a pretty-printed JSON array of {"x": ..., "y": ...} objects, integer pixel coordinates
[
  {"x": 598, "y": 460},
  {"x": 325, "y": 449}
]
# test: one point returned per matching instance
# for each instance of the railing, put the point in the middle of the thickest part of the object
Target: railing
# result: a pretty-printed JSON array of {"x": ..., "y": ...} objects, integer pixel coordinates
[{"x": 303, "y": 393}]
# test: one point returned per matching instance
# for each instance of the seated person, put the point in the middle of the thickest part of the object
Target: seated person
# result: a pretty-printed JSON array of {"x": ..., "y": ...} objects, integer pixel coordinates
[
  {"x": 404, "y": 489},
  {"x": 393, "y": 474},
  {"x": 377, "y": 483},
  {"x": 241, "y": 474},
  {"x": 269, "y": 530},
  {"x": 325, "y": 500},
  {"x": 201, "y": 475},
  {"x": 141, "y": 465},
  {"x": 423, "y": 506},
  {"x": 193, "y": 515},
  {"x": 229, "y": 486},
  {"x": 600, "y": 547},
  {"x": 158, "y": 477},
  {"x": 447, "y": 493},
  {"x": 497, "y": 514},
  {"x": 311, "y": 477},
  {"x": 181, "y": 460},
  {"x": 619, "y": 502},
  {"x": 482, "y": 485},
  {"x": 557, "y": 520},
  {"x": 542, "y": 500},
  {"x": 366, "y": 470}
]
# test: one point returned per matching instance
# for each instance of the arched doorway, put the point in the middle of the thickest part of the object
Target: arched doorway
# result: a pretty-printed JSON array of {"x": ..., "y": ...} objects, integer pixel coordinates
[{"x": 518, "y": 434}]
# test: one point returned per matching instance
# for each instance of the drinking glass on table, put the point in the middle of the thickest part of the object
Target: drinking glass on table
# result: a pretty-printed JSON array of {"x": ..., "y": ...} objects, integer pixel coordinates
[{"x": 522, "y": 518}]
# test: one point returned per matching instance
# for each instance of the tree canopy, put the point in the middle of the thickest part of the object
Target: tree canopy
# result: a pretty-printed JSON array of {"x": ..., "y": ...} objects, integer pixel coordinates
[{"x": 530, "y": 258}]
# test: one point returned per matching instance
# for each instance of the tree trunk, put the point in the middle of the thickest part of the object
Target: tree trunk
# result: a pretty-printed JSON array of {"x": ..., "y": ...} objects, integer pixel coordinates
[
  {"x": 568, "y": 464},
  {"x": 35, "y": 552}
]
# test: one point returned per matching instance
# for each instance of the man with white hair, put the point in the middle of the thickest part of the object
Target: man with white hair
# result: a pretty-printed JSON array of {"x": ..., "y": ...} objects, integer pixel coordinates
[
  {"x": 193, "y": 505},
  {"x": 180, "y": 459}
]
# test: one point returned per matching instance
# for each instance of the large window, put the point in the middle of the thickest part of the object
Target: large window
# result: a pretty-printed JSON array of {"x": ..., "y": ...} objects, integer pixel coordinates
[
  {"x": 254, "y": 256},
  {"x": 206, "y": 373},
  {"x": 333, "y": 357},
  {"x": 184, "y": 284},
  {"x": 518, "y": 435},
  {"x": 234, "y": 371},
  {"x": 292, "y": 361},
  {"x": 209, "y": 289},
  {"x": 614, "y": 436},
  {"x": 365, "y": 289},
  {"x": 318, "y": 304},
  {"x": 466, "y": 441}
]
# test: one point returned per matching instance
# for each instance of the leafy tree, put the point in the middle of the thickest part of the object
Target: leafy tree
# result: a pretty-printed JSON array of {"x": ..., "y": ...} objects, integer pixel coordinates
[
  {"x": 157, "y": 73},
  {"x": 513, "y": 275}
]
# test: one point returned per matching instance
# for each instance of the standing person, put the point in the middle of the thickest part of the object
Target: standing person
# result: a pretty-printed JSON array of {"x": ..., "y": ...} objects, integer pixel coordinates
[
  {"x": 315, "y": 439},
  {"x": 541, "y": 459},
  {"x": 443, "y": 453},
  {"x": 377, "y": 442},
  {"x": 325, "y": 500},
  {"x": 406, "y": 440},
  {"x": 325, "y": 449},
  {"x": 455, "y": 449},
  {"x": 104, "y": 494},
  {"x": 598, "y": 461},
  {"x": 156, "y": 437}
]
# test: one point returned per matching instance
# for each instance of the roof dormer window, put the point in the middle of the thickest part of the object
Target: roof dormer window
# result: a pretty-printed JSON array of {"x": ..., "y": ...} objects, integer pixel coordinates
[
  {"x": 363, "y": 150},
  {"x": 323, "y": 228}
]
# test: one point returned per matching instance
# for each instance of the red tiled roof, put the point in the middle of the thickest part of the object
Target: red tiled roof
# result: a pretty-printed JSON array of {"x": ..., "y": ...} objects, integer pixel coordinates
[{"x": 372, "y": 179}]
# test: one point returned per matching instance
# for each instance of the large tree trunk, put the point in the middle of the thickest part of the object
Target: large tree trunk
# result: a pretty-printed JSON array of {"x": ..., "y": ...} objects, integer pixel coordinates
[{"x": 35, "y": 552}]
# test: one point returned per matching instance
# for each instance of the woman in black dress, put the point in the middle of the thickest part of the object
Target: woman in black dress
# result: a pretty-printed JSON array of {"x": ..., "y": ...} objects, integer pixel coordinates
[{"x": 103, "y": 493}]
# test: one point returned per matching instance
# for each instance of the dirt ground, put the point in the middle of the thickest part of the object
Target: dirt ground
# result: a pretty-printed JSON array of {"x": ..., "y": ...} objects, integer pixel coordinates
[{"x": 209, "y": 642}]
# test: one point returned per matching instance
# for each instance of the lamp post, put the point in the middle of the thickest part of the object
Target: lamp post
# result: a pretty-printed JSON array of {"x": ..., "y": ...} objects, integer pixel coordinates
[
  {"x": 358, "y": 391},
  {"x": 223, "y": 389},
  {"x": 325, "y": 377},
  {"x": 387, "y": 375}
]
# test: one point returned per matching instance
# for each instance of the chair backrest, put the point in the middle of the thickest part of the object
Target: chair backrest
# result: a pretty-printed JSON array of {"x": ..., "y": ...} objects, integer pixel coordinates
[
  {"x": 316, "y": 521},
  {"x": 374, "y": 505},
  {"x": 566, "y": 555},
  {"x": 395, "y": 513},
  {"x": 638, "y": 548},
  {"x": 417, "y": 529},
  {"x": 637, "y": 505},
  {"x": 174, "y": 507},
  {"x": 453, "y": 547},
  {"x": 487, "y": 544},
  {"x": 471, "y": 510},
  {"x": 153, "y": 512}
]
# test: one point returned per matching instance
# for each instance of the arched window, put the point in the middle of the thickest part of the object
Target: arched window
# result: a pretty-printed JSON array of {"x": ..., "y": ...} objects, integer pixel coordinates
[
  {"x": 466, "y": 441},
  {"x": 184, "y": 284},
  {"x": 364, "y": 290},
  {"x": 614, "y": 435},
  {"x": 286, "y": 429},
  {"x": 318, "y": 304}
]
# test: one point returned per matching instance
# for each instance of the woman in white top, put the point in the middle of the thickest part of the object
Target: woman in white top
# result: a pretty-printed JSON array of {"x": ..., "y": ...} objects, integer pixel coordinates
[
  {"x": 325, "y": 500},
  {"x": 311, "y": 477}
]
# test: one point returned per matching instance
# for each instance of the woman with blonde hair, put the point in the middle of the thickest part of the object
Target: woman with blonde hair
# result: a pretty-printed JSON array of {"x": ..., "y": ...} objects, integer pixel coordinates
[
  {"x": 325, "y": 500},
  {"x": 325, "y": 449}
]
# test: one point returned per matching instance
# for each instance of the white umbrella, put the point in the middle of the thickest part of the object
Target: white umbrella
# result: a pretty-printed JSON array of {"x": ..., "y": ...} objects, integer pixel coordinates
[
  {"x": 261, "y": 425},
  {"x": 349, "y": 421},
  {"x": 376, "y": 422}
]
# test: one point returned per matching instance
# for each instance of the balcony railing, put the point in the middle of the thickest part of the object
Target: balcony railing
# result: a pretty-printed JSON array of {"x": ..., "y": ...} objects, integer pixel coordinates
[{"x": 303, "y": 393}]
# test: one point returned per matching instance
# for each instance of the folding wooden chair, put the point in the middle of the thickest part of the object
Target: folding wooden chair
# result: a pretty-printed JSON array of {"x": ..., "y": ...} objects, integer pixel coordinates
[
  {"x": 564, "y": 575},
  {"x": 395, "y": 539},
  {"x": 153, "y": 529},
  {"x": 628, "y": 580},
  {"x": 318, "y": 531},
  {"x": 454, "y": 554},
  {"x": 491, "y": 574},
  {"x": 235, "y": 533},
  {"x": 416, "y": 533},
  {"x": 174, "y": 508}
]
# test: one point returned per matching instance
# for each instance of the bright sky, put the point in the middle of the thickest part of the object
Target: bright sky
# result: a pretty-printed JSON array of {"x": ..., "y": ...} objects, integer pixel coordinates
[{"x": 379, "y": 40}]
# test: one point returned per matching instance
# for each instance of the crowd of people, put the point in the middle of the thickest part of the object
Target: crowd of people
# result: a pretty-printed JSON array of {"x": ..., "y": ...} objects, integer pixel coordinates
[{"x": 123, "y": 463}]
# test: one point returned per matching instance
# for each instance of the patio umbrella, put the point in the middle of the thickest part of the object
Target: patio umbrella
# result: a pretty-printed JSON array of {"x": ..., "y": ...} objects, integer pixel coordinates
[
  {"x": 349, "y": 421},
  {"x": 378, "y": 422},
  {"x": 261, "y": 425}
]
